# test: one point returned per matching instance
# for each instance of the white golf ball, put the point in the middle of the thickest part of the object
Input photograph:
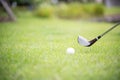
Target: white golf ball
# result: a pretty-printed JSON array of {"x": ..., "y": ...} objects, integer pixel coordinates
[{"x": 70, "y": 50}]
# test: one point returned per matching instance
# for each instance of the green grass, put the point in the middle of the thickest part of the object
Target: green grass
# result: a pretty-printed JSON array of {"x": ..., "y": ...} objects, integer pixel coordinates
[{"x": 35, "y": 49}]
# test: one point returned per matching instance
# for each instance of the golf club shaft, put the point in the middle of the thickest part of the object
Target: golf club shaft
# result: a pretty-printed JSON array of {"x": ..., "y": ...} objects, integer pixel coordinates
[{"x": 109, "y": 29}]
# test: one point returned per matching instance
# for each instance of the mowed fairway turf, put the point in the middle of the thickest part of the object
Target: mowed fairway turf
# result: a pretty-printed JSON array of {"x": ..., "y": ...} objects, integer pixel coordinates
[{"x": 35, "y": 49}]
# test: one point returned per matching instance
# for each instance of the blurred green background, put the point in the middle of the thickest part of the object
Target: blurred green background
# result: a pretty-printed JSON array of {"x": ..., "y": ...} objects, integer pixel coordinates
[{"x": 33, "y": 47}]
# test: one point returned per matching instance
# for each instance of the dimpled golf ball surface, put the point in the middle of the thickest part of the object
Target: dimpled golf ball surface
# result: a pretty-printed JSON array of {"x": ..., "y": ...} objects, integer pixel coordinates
[{"x": 70, "y": 50}]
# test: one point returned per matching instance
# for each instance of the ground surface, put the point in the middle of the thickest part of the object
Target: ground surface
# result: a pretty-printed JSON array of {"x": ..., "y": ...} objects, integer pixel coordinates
[{"x": 35, "y": 49}]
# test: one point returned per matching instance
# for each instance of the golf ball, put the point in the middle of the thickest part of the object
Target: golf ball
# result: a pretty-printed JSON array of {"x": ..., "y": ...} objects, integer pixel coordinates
[{"x": 70, "y": 50}]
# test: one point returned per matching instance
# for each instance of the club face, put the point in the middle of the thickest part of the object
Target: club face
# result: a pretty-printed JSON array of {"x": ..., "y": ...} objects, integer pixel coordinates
[{"x": 83, "y": 41}]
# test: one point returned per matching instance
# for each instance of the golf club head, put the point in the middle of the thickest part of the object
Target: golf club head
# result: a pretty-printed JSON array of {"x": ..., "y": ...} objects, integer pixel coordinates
[{"x": 84, "y": 42}]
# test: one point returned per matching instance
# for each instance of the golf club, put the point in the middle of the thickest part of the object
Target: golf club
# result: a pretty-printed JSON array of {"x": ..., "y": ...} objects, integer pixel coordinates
[{"x": 84, "y": 42}]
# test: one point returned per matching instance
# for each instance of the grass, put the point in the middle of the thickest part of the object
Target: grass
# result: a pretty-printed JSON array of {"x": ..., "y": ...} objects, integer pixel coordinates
[{"x": 35, "y": 49}]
